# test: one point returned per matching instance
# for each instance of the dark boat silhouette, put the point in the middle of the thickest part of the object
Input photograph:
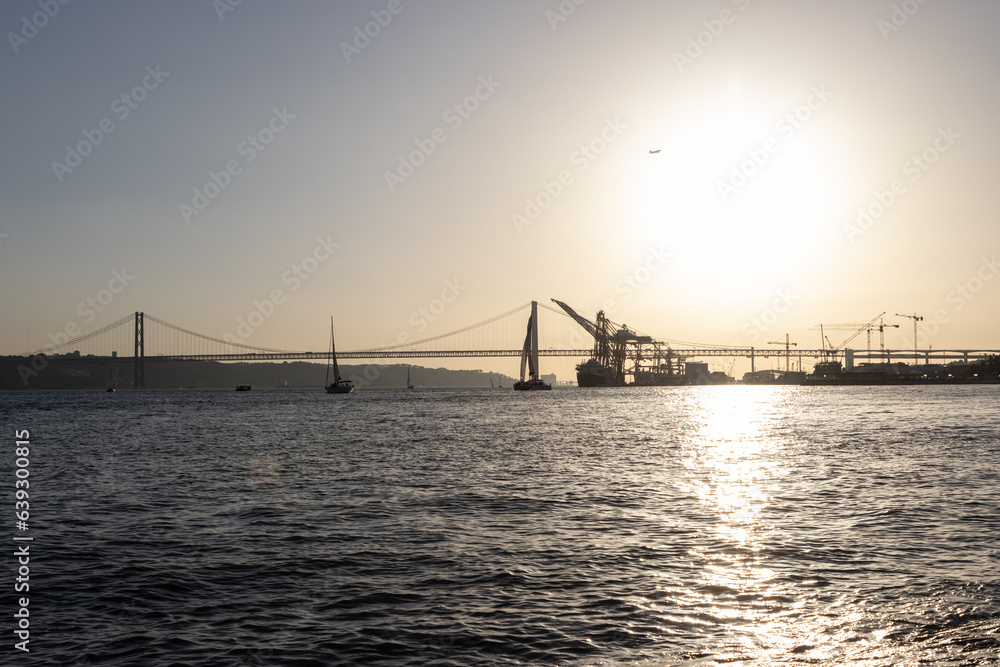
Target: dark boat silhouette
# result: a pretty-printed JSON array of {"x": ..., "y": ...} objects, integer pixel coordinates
[
  {"x": 529, "y": 356},
  {"x": 338, "y": 386}
]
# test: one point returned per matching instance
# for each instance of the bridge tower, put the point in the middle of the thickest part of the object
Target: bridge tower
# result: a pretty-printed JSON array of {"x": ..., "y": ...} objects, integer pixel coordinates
[{"x": 138, "y": 361}]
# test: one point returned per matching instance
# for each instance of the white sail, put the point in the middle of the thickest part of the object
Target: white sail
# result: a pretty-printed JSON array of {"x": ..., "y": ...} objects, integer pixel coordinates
[
  {"x": 525, "y": 352},
  {"x": 534, "y": 340},
  {"x": 529, "y": 356}
]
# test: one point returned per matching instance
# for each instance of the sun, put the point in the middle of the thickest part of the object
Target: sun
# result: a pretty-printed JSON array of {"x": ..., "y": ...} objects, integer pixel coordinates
[{"x": 736, "y": 198}]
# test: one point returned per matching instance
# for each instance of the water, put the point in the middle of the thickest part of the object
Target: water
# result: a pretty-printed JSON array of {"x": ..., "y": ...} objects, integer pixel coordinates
[{"x": 690, "y": 526}]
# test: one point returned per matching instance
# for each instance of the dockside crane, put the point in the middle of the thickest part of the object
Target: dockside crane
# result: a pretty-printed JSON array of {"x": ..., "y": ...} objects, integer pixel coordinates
[
  {"x": 609, "y": 349},
  {"x": 612, "y": 341}
]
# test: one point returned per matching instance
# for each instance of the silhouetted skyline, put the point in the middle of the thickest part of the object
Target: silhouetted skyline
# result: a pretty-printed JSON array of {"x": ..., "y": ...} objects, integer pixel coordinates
[{"x": 818, "y": 162}]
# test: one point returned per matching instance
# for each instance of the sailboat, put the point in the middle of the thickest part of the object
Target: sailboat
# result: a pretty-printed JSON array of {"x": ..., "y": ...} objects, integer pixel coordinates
[
  {"x": 409, "y": 385},
  {"x": 529, "y": 356},
  {"x": 338, "y": 386}
]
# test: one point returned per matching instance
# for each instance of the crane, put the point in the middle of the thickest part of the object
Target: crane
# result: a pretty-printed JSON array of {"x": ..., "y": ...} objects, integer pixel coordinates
[
  {"x": 916, "y": 318},
  {"x": 856, "y": 328},
  {"x": 787, "y": 348},
  {"x": 610, "y": 340},
  {"x": 882, "y": 326}
]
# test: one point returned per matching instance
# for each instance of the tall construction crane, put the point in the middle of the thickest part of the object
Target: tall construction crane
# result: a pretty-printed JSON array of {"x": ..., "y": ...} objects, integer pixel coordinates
[
  {"x": 882, "y": 326},
  {"x": 916, "y": 318},
  {"x": 787, "y": 349},
  {"x": 856, "y": 328}
]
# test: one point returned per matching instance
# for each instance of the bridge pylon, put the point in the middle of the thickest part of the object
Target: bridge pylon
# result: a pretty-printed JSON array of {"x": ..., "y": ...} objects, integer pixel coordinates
[{"x": 139, "y": 359}]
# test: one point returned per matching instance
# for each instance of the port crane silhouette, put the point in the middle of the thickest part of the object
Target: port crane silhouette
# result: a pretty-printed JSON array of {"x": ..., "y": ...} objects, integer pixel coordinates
[
  {"x": 916, "y": 318},
  {"x": 787, "y": 350}
]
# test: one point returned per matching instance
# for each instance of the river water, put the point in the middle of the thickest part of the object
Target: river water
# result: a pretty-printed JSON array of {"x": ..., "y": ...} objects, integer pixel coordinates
[{"x": 659, "y": 526}]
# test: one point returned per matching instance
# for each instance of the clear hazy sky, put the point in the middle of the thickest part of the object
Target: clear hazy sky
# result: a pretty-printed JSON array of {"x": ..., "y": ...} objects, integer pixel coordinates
[{"x": 776, "y": 120}]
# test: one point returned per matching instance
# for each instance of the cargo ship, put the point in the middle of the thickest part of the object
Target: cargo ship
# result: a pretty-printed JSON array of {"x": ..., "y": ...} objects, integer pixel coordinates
[{"x": 625, "y": 358}]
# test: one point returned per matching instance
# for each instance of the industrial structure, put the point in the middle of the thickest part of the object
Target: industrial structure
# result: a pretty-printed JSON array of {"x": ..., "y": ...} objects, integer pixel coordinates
[{"x": 618, "y": 355}]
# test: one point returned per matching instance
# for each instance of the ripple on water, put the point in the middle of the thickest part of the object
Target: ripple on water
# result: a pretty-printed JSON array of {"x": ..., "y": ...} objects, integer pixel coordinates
[{"x": 702, "y": 526}]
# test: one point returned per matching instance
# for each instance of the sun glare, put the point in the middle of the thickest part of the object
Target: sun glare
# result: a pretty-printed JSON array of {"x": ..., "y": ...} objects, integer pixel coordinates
[{"x": 735, "y": 189}]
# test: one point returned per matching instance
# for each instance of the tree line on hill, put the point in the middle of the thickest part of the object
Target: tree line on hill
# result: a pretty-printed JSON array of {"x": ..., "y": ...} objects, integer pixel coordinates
[{"x": 17, "y": 373}]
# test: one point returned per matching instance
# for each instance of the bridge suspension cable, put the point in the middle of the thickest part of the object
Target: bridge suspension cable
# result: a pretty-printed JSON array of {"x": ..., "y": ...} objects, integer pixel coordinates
[
  {"x": 218, "y": 341},
  {"x": 458, "y": 332},
  {"x": 75, "y": 342}
]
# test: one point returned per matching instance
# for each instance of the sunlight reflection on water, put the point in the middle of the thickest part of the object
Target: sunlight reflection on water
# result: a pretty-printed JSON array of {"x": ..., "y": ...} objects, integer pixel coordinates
[{"x": 735, "y": 461}]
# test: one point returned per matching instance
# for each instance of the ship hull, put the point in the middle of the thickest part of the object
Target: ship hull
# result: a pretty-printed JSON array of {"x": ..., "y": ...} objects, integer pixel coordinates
[
  {"x": 532, "y": 385},
  {"x": 659, "y": 380},
  {"x": 594, "y": 374},
  {"x": 592, "y": 380}
]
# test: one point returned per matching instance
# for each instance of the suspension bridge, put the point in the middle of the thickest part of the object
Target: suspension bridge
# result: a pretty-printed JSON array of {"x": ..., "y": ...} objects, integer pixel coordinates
[{"x": 153, "y": 340}]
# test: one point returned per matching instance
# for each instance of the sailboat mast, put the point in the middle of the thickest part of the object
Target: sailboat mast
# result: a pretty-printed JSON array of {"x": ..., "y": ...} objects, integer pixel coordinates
[
  {"x": 534, "y": 340},
  {"x": 333, "y": 353},
  {"x": 329, "y": 358}
]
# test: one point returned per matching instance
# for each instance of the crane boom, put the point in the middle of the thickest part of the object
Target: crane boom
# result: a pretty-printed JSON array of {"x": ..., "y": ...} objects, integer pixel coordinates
[
  {"x": 588, "y": 326},
  {"x": 865, "y": 326}
]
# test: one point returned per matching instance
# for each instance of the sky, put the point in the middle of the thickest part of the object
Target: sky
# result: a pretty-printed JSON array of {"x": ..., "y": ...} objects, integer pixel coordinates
[{"x": 818, "y": 162}]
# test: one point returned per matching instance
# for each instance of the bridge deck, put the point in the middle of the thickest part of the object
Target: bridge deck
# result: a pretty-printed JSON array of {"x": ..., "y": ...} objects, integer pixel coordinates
[{"x": 892, "y": 355}]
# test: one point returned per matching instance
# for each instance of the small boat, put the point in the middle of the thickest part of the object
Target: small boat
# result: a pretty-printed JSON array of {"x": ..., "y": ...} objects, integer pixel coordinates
[
  {"x": 112, "y": 380},
  {"x": 491, "y": 383},
  {"x": 244, "y": 387},
  {"x": 409, "y": 385},
  {"x": 338, "y": 386},
  {"x": 529, "y": 356}
]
